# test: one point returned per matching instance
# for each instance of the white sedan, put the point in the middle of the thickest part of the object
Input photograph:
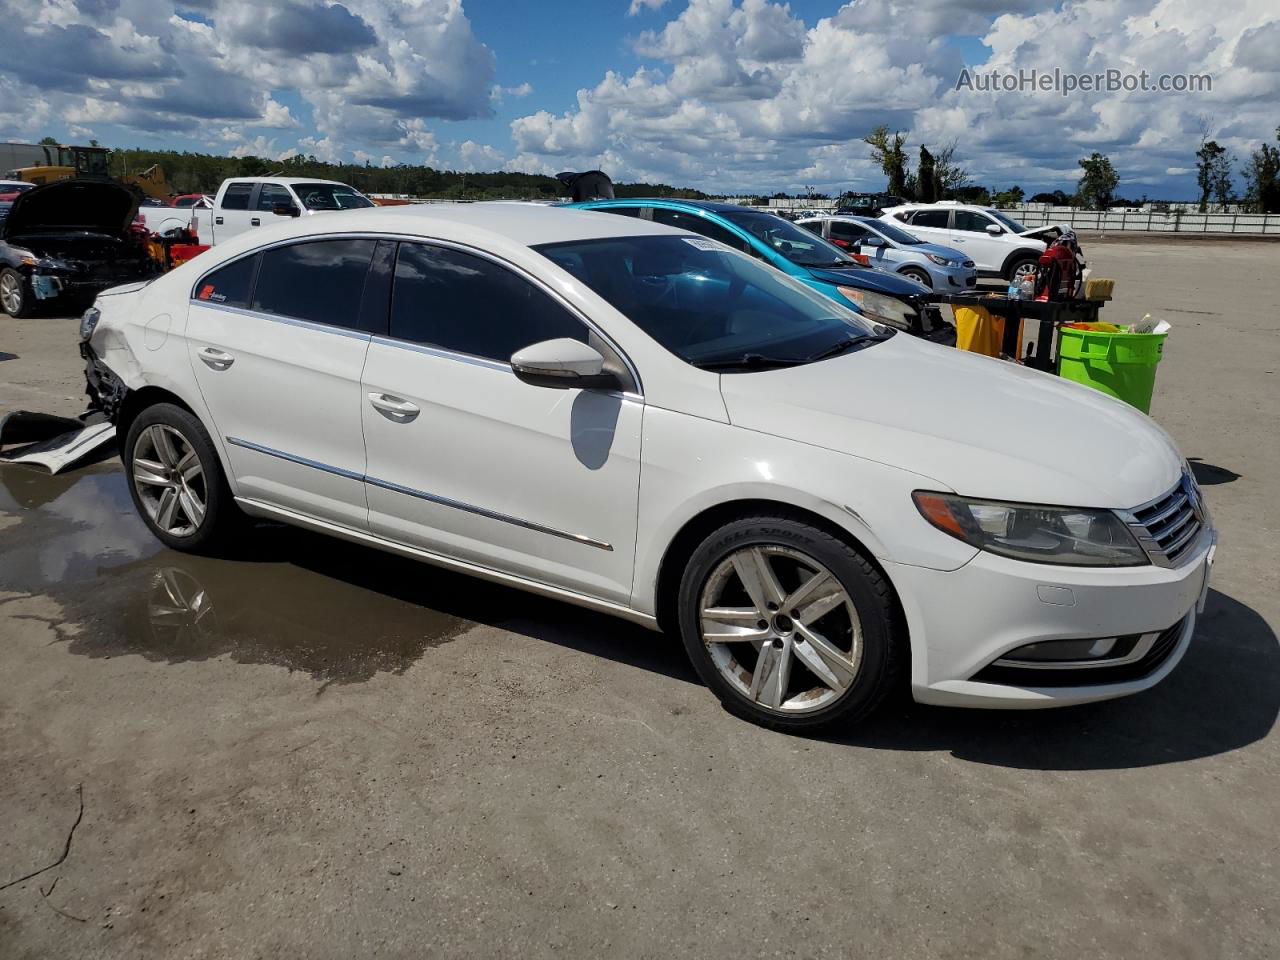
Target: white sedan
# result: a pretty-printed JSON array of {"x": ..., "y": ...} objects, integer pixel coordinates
[{"x": 639, "y": 420}]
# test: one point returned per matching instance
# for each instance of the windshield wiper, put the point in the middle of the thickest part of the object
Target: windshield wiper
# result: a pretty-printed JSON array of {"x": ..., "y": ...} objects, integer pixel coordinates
[
  {"x": 849, "y": 343},
  {"x": 750, "y": 361}
]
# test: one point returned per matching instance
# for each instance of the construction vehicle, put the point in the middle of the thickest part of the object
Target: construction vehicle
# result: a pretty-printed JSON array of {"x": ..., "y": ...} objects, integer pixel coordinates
[{"x": 42, "y": 163}]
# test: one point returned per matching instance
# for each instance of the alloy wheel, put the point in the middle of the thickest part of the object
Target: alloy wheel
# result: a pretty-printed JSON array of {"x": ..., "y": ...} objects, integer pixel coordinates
[
  {"x": 1026, "y": 268},
  {"x": 781, "y": 629},
  {"x": 170, "y": 480},
  {"x": 11, "y": 293}
]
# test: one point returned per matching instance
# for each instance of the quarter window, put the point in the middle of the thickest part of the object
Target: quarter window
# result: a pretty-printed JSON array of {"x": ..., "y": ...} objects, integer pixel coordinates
[
  {"x": 320, "y": 281},
  {"x": 237, "y": 196},
  {"x": 230, "y": 286},
  {"x": 470, "y": 305}
]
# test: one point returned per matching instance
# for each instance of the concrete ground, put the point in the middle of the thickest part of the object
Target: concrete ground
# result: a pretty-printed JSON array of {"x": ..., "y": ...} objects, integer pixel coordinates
[{"x": 313, "y": 750}]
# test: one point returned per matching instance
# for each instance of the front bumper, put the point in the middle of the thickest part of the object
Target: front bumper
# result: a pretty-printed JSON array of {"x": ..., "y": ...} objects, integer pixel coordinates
[
  {"x": 105, "y": 390},
  {"x": 961, "y": 621},
  {"x": 953, "y": 279}
]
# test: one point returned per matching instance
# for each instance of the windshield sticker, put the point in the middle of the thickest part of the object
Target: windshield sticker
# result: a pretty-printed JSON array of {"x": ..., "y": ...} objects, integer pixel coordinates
[{"x": 702, "y": 243}]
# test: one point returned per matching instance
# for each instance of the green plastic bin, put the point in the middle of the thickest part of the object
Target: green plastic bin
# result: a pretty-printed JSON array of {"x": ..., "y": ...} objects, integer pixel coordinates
[{"x": 1120, "y": 364}]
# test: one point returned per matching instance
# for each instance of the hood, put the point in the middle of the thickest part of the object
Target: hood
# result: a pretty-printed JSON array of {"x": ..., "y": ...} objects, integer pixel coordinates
[
  {"x": 102, "y": 206},
  {"x": 1047, "y": 234},
  {"x": 938, "y": 250},
  {"x": 975, "y": 425},
  {"x": 868, "y": 278}
]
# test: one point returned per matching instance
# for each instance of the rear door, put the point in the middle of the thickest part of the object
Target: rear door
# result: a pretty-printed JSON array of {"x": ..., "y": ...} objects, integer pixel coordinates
[
  {"x": 278, "y": 342},
  {"x": 467, "y": 460},
  {"x": 932, "y": 225}
]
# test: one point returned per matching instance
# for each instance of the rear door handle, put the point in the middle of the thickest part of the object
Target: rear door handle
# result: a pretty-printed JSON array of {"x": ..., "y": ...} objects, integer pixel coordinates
[
  {"x": 401, "y": 411},
  {"x": 255, "y": 222},
  {"x": 215, "y": 359}
]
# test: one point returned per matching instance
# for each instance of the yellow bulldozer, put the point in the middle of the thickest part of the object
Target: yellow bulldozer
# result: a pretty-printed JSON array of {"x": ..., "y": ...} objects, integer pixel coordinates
[{"x": 42, "y": 163}]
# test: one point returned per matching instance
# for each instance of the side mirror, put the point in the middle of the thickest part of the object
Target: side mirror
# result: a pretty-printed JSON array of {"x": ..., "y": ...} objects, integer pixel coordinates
[
  {"x": 873, "y": 242},
  {"x": 561, "y": 364},
  {"x": 286, "y": 210},
  {"x": 994, "y": 229}
]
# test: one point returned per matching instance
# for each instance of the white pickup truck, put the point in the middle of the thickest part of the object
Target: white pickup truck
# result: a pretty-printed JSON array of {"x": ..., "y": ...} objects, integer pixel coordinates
[{"x": 248, "y": 202}]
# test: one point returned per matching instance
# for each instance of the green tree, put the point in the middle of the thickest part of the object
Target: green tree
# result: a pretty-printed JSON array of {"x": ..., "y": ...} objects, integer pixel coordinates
[
  {"x": 1008, "y": 198},
  {"x": 1098, "y": 183},
  {"x": 1262, "y": 178},
  {"x": 887, "y": 151},
  {"x": 48, "y": 142},
  {"x": 1213, "y": 173}
]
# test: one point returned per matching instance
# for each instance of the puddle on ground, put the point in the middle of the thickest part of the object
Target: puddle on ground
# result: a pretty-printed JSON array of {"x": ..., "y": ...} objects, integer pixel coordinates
[{"x": 340, "y": 612}]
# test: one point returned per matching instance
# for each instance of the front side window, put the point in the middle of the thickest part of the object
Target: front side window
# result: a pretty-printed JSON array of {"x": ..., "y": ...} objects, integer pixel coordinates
[
  {"x": 467, "y": 304},
  {"x": 330, "y": 196},
  {"x": 272, "y": 194},
  {"x": 230, "y": 286},
  {"x": 710, "y": 306},
  {"x": 1008, "y": 221},
  {"x": 896, "y": 234},
  {"x": 237, "y": 196},
  {"x": 696, "y": 224},
  {"x": 318, "y": 280},
  {"x": 850, "y": 232},
  {"x": 795, "y": 243},
  {"x": 971, "y": 222}
]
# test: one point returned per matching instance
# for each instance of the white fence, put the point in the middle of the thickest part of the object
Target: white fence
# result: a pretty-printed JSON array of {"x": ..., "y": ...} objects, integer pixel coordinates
[{"x": 1152, "y": 221}]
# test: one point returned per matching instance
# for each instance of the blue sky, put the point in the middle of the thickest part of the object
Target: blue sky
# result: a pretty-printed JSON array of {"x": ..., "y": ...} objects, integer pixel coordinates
[{"x": 726, "y": 95}]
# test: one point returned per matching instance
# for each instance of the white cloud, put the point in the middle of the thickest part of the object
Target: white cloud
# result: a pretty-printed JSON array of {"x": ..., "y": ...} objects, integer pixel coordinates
[
  {"x": 746, "y": 94},
  {"x": 639, "y": 5},
  {"x": 478, "y": 157}
]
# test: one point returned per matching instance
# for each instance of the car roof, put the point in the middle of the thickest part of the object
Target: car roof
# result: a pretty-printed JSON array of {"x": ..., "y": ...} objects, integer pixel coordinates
[
  {"x": 939, "y": 205},
  {"x": 710, "y": 206},
  {"x": 287, "y": 180}
]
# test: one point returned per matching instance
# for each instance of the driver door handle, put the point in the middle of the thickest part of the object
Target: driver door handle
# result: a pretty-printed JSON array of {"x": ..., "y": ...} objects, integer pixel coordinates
[
  {"x": 401, "y": 411},
  {"x": 215, "y": 359},
  {"x": 255, "y": 222}
]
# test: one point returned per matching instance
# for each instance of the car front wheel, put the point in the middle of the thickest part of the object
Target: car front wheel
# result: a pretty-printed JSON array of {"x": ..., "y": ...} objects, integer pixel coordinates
[
  {"x": 919, "y": 276},
  {"x": 176, "y": 481},
  {"x": 15, "y": 296},
  {"x": 788, "y": 625}
]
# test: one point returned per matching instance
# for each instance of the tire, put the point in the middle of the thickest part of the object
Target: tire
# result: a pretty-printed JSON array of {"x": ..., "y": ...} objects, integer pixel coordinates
[
  {"x": 1019, "y": 264},
  {"x": 16, "y": 297},
  {"x": 167, "y": 451},
  {"x": 918, "y": 274},
  {"x": 792, "y": 693}
]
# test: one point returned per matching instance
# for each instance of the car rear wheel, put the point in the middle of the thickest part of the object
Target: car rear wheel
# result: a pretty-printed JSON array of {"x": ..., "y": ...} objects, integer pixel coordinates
[
  {"x": 919, "y": 275},
  {"x": 788, "y": 625},
  {"x": 176, "y": 480},
  {"x": 16, "y": 298}
]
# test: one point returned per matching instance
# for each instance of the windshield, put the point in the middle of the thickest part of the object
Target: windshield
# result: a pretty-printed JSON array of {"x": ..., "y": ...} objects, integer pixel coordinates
[
  {"x": 330, "y": 196},
  {"x": 795, "y": 243},
  {"x": 896, "y": 234},
  {"x": 709, "y": 305},
  {"x": 1009, "y": 222}
]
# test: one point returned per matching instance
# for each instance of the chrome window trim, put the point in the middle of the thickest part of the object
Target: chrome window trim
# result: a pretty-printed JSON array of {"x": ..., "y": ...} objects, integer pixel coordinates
[
  {"x": 290, "y": 321},
  {"x": 452, "y": 244},
  {"x": 421, "y": 494}
]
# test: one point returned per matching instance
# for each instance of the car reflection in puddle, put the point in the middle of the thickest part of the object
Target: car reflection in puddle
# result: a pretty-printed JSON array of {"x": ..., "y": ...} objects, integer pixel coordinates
[{"x": 340, "y": 612}]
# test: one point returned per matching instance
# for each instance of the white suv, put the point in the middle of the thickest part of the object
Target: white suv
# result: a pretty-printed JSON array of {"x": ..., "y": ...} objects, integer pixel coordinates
[
  {"x": 644, "y": 421},
  {"x": 994, "y": 241}
]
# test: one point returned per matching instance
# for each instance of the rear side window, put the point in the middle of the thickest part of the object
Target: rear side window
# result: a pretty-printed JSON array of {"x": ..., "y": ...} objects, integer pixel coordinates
[
  {"x": 237, "y": 196},
  {"x": 455, "y": 301},
  {"x": 813, "y": 226},
  {"x": 321, "y": 281},
  {"x": 930, "y": 218},
  {"x": 621, "y": 211},
  {"x": 848, "y": 231},
  {"x": 230, "y": 286},
  {"x": 696, "y": 224}
]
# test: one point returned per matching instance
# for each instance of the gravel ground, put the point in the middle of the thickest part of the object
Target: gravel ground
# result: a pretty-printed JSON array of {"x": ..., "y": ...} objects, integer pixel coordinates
[{"x": 313, "y": 750}]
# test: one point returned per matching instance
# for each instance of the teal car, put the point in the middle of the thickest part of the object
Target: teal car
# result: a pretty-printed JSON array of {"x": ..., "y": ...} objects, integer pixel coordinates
[{"x": 885, "y": 297}]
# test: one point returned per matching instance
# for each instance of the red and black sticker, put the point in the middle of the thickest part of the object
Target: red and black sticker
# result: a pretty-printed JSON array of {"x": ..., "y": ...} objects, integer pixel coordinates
[{"x": 205, "y": 292}]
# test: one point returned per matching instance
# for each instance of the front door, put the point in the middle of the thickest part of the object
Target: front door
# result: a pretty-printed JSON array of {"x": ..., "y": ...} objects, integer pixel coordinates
[
  {"x": 278, "y": 343},
  {"x": 970, "y": 235},
  {"x": 466, "y": 460}
]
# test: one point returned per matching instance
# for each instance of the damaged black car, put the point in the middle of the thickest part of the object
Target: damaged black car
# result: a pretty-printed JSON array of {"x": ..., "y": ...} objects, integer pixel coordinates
[{"x": 65, "y": 242}]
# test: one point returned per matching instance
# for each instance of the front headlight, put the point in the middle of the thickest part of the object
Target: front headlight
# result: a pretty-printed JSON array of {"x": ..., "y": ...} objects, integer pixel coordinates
[
  {"x": 1065, "y": 535},
  {"x": 879, "y": 307},
  {"x": 88, "y": 321},
  {"x": 940, "y": 261}
]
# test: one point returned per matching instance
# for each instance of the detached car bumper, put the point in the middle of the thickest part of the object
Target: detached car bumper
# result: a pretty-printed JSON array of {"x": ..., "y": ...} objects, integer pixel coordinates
[{"x": 968, "y": 624}]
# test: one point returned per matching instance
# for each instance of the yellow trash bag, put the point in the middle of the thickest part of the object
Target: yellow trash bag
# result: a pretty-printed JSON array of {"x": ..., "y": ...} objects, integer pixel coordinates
[{"x": 978, "y": 331}]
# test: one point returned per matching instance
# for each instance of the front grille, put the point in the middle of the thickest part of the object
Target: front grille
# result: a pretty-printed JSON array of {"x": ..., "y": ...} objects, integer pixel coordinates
[
  {"x": 970, "y": 281},
  {"x": 1160, "y": 651},
  {"x": 1169, "y": 527}
]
